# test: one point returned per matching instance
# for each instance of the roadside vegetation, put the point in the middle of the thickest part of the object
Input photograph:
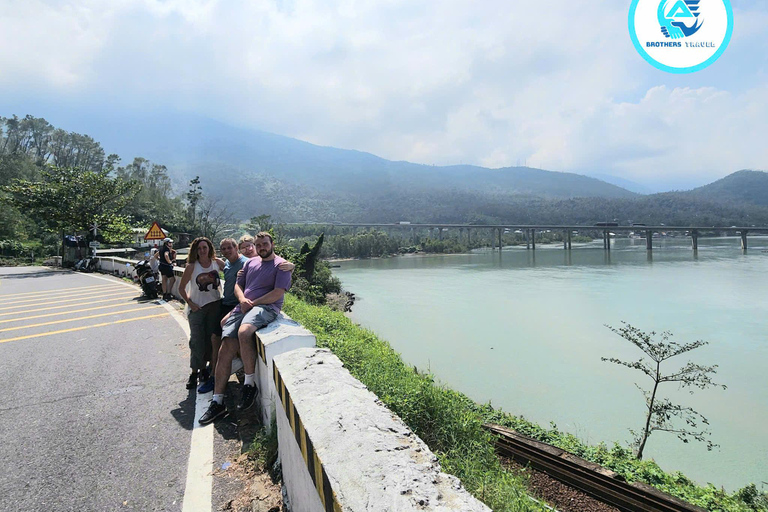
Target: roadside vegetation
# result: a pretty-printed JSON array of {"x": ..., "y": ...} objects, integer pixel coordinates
[
  {"x": 451, "y": 423},
  {"x": 346, "y": 242},
  {"x": 55, "y": 183},
  {"x": 262, "y": 452}
]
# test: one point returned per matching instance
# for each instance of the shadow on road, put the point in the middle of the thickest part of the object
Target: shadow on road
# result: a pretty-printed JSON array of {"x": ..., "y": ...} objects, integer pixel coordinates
[
  {"x": 25, "y": 275},
  {"x": 143, "y": 299},
  {"x": 184, "y": 414},
  {"x": 229, "y": 426},
  {"x": 234, "y": 426}
]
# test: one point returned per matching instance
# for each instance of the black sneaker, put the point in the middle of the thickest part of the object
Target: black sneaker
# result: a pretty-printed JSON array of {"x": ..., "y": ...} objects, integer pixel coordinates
[
  {"x": 192, "y": 381},
  {"x": 247, "y": 397},
  {"x": 214, "y": 412}
]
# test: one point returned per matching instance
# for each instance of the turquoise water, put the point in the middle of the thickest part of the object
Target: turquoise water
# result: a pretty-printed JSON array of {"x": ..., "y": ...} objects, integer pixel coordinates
[{"x": 525, "y": 331}]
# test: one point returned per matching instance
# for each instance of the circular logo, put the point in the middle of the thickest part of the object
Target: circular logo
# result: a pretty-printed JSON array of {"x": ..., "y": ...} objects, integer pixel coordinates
[{"x": 680, "y": 36}]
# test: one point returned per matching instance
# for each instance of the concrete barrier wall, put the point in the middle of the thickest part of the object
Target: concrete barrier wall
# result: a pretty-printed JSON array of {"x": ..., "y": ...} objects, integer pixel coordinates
[
  {"x": 282, "y": 335},
  {"x": 343, "y": 450}
]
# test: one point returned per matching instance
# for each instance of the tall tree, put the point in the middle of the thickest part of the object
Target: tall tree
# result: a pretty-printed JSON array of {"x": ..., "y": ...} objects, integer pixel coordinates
[
  {"x": 194, "y": 195},
  {"x": 155, "y": 200},
  {"x": 39, "y": 131},
  {"x": 261, "y": 222},
  {"x": 70, "y": 149},
  {"x": 215, "y": 219},
  {"x": 662, "y": 415},
  {"x": 70, "y": 200}
]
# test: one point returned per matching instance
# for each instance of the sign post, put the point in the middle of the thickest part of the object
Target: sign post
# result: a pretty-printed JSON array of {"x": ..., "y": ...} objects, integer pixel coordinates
[{"x": 154, "y": 233}]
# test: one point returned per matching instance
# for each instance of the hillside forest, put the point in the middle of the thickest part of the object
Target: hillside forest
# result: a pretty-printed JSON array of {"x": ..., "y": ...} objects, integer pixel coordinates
[{"x": 56, "y": 182}]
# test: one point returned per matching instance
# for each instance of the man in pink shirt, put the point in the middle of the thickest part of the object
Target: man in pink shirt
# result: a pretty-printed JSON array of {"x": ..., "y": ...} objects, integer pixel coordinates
[{"x": 259, "y": 290}]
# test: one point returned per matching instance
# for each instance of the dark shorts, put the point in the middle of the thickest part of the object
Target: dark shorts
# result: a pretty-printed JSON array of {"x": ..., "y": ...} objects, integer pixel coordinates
[
  {"x": 225, "y": 309},
  {"x": 259, "y": 316},
  {"x": 166, "y": 270}
]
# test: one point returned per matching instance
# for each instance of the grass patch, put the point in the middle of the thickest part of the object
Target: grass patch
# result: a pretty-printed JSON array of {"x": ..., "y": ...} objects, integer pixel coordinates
[
  {"x": 451, "y": 423},
  {"x": 262, "y": 452}
]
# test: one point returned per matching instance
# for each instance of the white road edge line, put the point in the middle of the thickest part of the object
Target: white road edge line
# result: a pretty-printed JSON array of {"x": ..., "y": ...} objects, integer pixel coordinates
[{"x": 198, "y": 494}]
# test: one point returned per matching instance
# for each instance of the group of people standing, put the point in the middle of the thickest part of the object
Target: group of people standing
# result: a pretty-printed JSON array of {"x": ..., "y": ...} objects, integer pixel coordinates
[{"x": 222, "y": 323}]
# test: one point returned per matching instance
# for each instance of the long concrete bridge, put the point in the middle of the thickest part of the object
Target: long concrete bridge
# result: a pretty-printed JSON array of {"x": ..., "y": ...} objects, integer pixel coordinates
[{"x": 606, "y": 229}]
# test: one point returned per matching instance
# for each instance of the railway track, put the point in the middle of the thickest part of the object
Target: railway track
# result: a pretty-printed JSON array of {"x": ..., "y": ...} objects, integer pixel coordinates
[{"x": 600, "y": 483}]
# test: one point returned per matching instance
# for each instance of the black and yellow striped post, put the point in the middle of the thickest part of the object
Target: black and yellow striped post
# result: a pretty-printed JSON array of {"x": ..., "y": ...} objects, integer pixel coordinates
[
  {"x": 314, "y": 465},
  {"x": 260, "y": 349}
]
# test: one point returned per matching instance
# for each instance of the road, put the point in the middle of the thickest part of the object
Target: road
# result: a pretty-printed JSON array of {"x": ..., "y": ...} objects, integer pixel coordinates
[{"x": 94, "y": 412}]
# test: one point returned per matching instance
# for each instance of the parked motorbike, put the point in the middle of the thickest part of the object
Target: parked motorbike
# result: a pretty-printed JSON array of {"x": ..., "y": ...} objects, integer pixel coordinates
[
  {"x": 87, "y": 264},
  {"x": 149, "y": 281}
]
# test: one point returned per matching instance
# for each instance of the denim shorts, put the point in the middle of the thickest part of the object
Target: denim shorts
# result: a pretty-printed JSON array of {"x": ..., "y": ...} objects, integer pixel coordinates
[{"x": 258, "y": 316}]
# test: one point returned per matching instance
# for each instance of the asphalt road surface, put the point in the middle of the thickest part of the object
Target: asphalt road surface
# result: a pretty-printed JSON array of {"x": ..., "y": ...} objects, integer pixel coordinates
[{"x": 94, "y": 414}]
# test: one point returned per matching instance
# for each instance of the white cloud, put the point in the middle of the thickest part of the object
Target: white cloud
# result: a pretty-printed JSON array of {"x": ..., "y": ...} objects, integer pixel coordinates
[
  {"x": 48, "y": 44},
  {"x": 679, "y": 133},
  {"x": 556, "y": 85}
]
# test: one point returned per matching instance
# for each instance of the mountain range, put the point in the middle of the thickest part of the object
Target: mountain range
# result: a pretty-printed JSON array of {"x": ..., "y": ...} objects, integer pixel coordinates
[{"x": 257, "y": 172}]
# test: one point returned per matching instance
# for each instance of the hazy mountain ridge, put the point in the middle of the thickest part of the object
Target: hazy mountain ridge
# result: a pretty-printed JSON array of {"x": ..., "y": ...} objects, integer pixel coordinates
[
  {"x": 352, "y": 186},
  {"x": 257, "y": 172},
  {"x": 192, "y": 146},
  {"x": 746, "y": 186}
]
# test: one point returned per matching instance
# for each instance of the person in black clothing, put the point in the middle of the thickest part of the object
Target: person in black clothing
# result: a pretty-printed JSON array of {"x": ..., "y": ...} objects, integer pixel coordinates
[{"x": 167, "y": 262}]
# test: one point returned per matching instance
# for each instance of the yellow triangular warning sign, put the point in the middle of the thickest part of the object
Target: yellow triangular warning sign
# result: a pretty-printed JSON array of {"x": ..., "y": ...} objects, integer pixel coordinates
[{"x": 155, "y": 233}]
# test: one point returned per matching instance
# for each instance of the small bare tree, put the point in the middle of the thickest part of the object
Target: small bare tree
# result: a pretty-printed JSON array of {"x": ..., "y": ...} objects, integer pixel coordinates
[
  {"x": 215, "y": 219},
  {"x": 661, "y": 412}
]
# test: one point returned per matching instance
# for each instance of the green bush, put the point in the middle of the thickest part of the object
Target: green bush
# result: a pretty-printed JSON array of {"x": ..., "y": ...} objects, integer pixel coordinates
[
  {"x": 11, "y": 248},
  {"x": 312, "y": 278}
]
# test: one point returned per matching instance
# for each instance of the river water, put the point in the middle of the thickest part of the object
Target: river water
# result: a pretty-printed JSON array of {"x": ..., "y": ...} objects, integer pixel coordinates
[{"x": 525, "y": 330}]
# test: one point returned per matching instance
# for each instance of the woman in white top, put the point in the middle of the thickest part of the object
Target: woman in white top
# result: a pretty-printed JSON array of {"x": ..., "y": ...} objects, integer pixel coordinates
[{"x": 200, "y": 287}]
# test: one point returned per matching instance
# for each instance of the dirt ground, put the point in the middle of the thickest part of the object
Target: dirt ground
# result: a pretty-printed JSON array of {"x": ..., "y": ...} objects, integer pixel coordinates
[
  {"x": 259, "y": 493},
  {"x": 556, "y": 494}
]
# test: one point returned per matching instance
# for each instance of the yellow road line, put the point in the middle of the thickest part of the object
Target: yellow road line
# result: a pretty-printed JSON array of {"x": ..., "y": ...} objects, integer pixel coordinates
[
  {"x": 48, "y": 301},
  {"x": 74, "y": 319},
  {"x": 57, "y": 314},
  {"x": 49, "y": 298},
  {"x": 61, "y": 295},
  {"x": 62, "y": 290},
  {"x": 84, "y": 327},
  {"x": 48, "y": 308}
]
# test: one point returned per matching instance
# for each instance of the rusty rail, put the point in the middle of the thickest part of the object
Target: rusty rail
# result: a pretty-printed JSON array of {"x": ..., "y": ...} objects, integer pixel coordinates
[{"x": 600, "y": 483}]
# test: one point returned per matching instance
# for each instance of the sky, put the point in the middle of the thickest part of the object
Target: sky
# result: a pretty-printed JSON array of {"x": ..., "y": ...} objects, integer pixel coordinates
[{"x": 556, "y": 85}]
